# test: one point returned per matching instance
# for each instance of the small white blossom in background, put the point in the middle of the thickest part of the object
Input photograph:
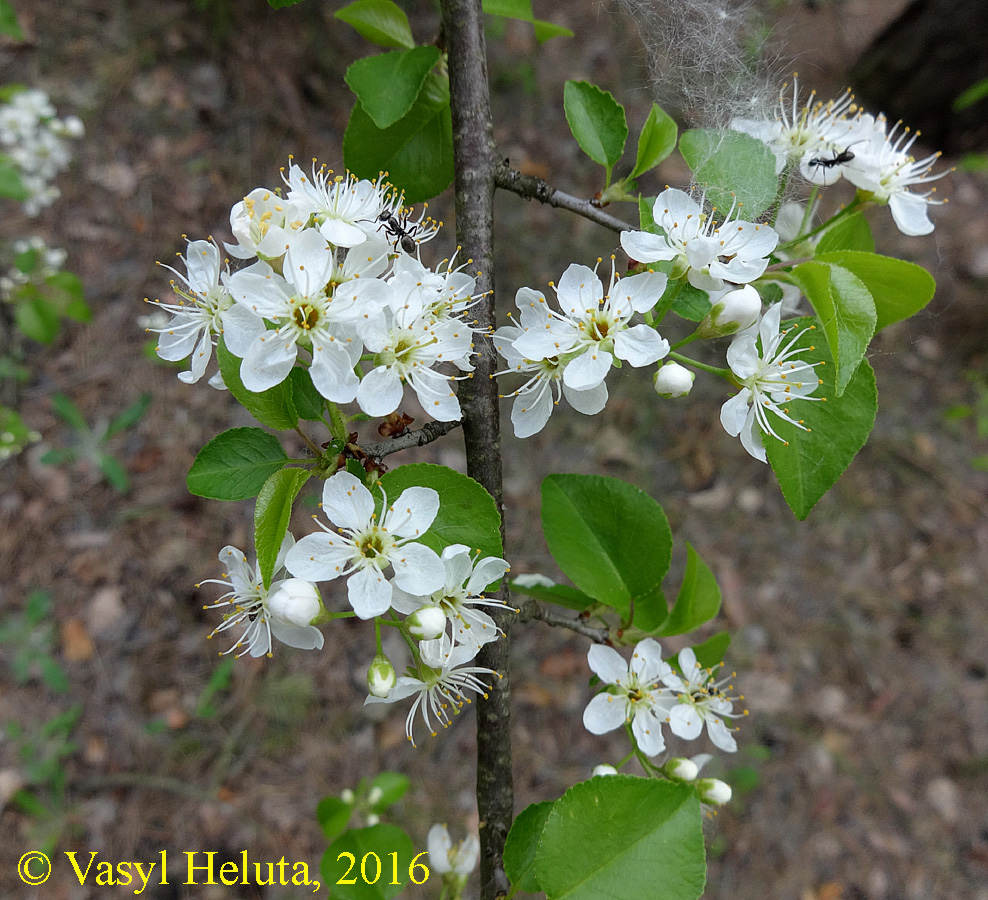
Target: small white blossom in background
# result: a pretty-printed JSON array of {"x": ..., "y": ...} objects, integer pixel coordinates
[
  {"x": 249, "y": 605},
  {"x": 37, "y": 143},
  {"x": 603, "y": 770},
  {"x": 699, "y": 700},
  {"x": 454, "y": 862},
  {"x": 711, "y": 254},
  {"x": 640, "y": 695},
  {"x": 439, "y": 684},
  {"x": 673, "y": 380},
  {"x": 368, "y": 545},
  {"x": 769, "y": 378},
  {"x": 39, "y": 262}
]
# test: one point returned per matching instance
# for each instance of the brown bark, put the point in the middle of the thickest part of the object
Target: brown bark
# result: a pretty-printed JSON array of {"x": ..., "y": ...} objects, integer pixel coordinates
[{"x": 474, "y": 162}]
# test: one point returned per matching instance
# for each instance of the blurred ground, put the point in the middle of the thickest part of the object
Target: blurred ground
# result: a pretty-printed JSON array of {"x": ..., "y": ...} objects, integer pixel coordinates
[{"x": 862, "y": 634}]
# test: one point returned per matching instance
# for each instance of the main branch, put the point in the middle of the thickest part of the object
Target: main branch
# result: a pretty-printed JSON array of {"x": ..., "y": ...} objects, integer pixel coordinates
[{"x": 474, "y": 163}]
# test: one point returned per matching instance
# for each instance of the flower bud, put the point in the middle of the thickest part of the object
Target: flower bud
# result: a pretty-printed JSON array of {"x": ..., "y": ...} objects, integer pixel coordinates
[
  {"x": 375, "y": 795},
  {"x": 603, "y": 769},
  {"x": 427, "y": 623},
  {"x": 680, "y": 769},
  {"x": 373, "y": 820},
  {"x": 732, "y": 312},
  {"x": 713, "y": 791},
  {"x": 346, "y": 795},
  {"x": 296, "y": 602},
  {"x": 673, "y": 380},
  {"x": 381, "y": 677}
]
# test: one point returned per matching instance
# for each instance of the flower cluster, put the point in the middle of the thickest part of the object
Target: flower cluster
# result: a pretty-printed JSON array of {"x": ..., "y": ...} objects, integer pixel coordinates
[
  {"x": 837, "y": 139},
  {"x": 648, "y": 693},
  {"x": 33, "y": 262},
  {"x": 335, "y": 284},
  {"x": 571, "y": 351},
  {"x": 35, "y": 141}
]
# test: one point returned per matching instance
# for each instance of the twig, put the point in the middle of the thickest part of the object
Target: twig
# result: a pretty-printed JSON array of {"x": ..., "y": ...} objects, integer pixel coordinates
[
  {"x": 474, "y": 161},
  {"x": 531, "y": 609},
  {"x": 531, "y": 187},
  {"x": 418, "y": 438}
]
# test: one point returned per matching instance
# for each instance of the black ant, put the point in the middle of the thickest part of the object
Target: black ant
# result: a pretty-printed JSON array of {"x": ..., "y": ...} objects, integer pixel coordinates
[
  {"x": 398, "y": 229},
  {"x": 845, "y": 156}
]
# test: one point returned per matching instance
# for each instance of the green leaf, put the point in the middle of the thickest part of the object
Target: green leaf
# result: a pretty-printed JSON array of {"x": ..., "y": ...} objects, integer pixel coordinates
[
  {"x": 308, "y": 402},
  {"x": 900, "y": 289},
  {"x": 467, "y": 513},
  {"x": 378, "y": 21},
  {"x": 852, "y": 233},
  {"x": 273, "y": 407},
  {"x": 235, "y": 464},
  {"x": 333, "y": 816},
  {"x": 522, "y": 9},
  {"x": 698, "y": 600},
  {"x": 813, "y": 460},
  {"x": 113, "y": 472},
  {"x": 129, "y": 417},
  {"x": 387, "y": 85},
  {"x": 361, "y": 845},
  {"x": 729, "y": 165},
  {"x": 37, "y": 318},
  {"x": 560, "y": 594},
  {"x": 846, "y": 310},
  {"x": 691, "y": 303},
  {"x": 393, "y": 786},
  {"x": 597, "y": 121},
  {"x": 712, "y": 650},
  {"x": 11, "y": 185},
  {"x": 647, "y": 222},
  {"x": 416, "y": 152},
  {"x": 272, "y": 514},
  {"x": 968, "y": 97},
  {"x": 68, "y": 412},
  {"x": 623, "y": 838},
  {"x": 53, "y": 674},
  {"x": 8, "y": 21},
  {"x": 610, "y": 538},
  {"x": 656, "y": 141},
  {"x": 522, "y": 845}
]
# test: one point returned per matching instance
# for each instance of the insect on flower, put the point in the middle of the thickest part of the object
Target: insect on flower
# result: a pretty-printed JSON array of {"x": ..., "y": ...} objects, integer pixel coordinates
[
  {"x": 845, "y": 156},
  {"x": 400, "y": 230}
]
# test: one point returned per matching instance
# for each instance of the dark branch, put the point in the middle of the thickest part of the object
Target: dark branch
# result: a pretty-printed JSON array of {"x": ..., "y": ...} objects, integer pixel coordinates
[
  {"x": 425, "y": 435},
  {"x": 474, "y": 161},
  {"x": 532, "y": 609},
  {"x": 531, "y": 187}
]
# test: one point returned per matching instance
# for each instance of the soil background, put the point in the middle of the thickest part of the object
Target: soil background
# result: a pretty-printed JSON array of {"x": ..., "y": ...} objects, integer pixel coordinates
[{"x": 861, "y": 635}]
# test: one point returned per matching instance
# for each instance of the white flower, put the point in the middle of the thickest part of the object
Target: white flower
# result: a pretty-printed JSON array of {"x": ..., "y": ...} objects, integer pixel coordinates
[
  {"x": 346, "y": 209},
  {"x": 884, "y": 168},
  {"x": 593, "y": 327},
  {"x": 446, "y": 859},
  {"x": 365, "y": 547},
  {"x": 537, "y": 396},
  {"x": 770, "y": 378},
  {"x": 466, "y": 578},
  {"x": 309, "y": 308},
  {"x": 249, "y": 602},
  {"x": 439, "y": 684},
  {"x": 262, "y": 223},
  {"x": 732, "y": 312},
  {"x": 206, "y": 308},
  {"x": 801, "y": 133},
  {"x": 734, "y": 252},
  {"x": 295, "y": 602},
  {"x": 700, "y": 700},
  {"x": 673, "y": 380},
  {"x": 639, "y": 696}
]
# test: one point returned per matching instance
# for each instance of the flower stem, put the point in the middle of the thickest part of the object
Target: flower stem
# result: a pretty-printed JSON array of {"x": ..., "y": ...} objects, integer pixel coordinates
[{"x": 713, "y": 370}]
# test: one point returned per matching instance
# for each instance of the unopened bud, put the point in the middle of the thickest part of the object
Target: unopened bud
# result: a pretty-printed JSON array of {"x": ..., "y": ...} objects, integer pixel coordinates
[
  {"x": 373, "y": 819},
  {"x": 713, "y": 791},
  {"x": 346, "y": 795},
  {"x": 295, "y": 602},
  {"x": 734, "y": 311},
  {"x": 603, "y": 770},
  {"x": 381, "y": 677},
  {"x": 673, "y": 380},
  {"x": 375, "y": 795},
  {"x": 427, "y": 623},
  {"x": 680, "y": 769}
]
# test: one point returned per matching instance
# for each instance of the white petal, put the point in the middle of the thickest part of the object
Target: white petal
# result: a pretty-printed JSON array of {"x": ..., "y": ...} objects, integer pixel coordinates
[
  {"x": 734, "y": 412},
  {"x": 579, "y": 290},
  {"x": 332, "y": 372},
  {"x": 369, "y": 592},
  {"x": 418, "y": 569},
  {"x": 487, "y": 571},
  {"x": 309, "y": 262},
  {"x": 319, "y": 557},
  {"x": 588, "y": 402},
  {"x": 380, "y": 392},
  {"x": 438, "y": 844},
  {"x": 267, "y": 362},
  {"x": 751, "y": 438},
  {"x": 647, "y": 662},
  {"x": 647, "y": 729},
  {"x": 412, "y": 512},
  {"x": 604, "y": 713},
  {"x": 721, "y": 735},
  {"x": 241, "y": 328},
  {"x": 346, "y": 502},
  {"x": 607, "y": 664},
  {"x": 641, "y": 291},
  {"x": 910, "y": 212},
  {"x": 685, "y": 721},
  {"x": 589, "y": 369},
  {"x": 646, "y": 248},
  {"x": 640, "y": 346},
  {"x": 532, "y": 408},
  {"x": 307, "y": 638}
]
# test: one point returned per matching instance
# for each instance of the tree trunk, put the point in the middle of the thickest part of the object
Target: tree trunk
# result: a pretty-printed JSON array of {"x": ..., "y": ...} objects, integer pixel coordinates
[{"x": 921, "y": 63}]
